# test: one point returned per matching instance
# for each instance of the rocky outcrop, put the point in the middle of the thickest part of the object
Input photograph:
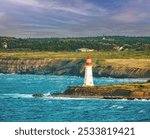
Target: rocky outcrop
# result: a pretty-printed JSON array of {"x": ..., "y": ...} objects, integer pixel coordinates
[
  {"x": 109, "y": 92},
  {"x": 120, "y": 91},
  {"x": 69, "y": 67},
  {"x": 148, "y": 81},
  {"x": 38, "y": 95}
]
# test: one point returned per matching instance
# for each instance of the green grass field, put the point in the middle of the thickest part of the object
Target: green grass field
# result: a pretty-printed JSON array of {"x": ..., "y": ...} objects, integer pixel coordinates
[
  {"x": 77, "y": 55},
  {"x": 116, "y": 60}
]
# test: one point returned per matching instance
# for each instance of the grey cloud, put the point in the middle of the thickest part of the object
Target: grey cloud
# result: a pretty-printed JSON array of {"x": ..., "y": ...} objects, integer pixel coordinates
[
  {"x": 33, "y": 3},
  {"x": 74, "y": 6},
  {"x": 133, "y": 12},
  {"x": 72, "y": 18},
  {"x": 128, "y": 17}
]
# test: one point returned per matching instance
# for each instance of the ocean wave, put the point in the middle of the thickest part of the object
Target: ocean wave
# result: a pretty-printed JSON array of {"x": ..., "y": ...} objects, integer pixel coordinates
[
  {"x": 65, "y": 98},
  {"x": 141, "y": 111},
  {"x": 144, "y": 100},
  {"x": 49, "y": 96},
  {"x": 18, "y": 95},
  {"x": 117, "y": 107}
]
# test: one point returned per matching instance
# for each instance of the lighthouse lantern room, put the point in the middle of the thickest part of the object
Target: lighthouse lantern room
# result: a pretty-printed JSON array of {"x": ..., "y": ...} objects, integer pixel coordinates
[{"x": 88, "y": 78}]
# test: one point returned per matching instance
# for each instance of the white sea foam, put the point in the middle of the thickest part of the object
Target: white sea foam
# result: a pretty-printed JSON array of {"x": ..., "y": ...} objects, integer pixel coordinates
[
  {"x": 117, "y": 107},
  {"x": 141, "y": 111},
  {"x": 65, "y": 98},
  {"x": 120, "y": 107},
  {"x": 47, "y": 94},
  {"x": 19, "y": 95},
  {"x": 127, "y": 100},
  {"x": 141, "y": 100},
  {"x": 124, "y": 99},
  {"x": 145, "y": 100}
]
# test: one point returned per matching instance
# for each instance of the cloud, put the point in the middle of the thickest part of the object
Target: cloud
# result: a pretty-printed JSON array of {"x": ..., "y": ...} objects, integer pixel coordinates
[
  {"x": 1, "y": 14},
  {"x": 79, "y": 7},
  {"x": 74, "y": 17},
  {"x": 133, "y": 12},
  {"x": 129, "y": 17},
  {"x": 5, "y": 18},
  {"x": 25, "y": 2}
]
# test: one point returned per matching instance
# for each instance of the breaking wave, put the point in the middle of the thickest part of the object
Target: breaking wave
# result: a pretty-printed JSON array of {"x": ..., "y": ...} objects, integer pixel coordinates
[
  {"x": 116, "y": 107},
  {"x": 18, "y": 95}
]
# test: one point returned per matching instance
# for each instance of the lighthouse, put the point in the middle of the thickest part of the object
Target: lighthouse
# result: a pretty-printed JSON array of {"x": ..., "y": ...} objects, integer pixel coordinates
[{"x": 88, "y": 78}]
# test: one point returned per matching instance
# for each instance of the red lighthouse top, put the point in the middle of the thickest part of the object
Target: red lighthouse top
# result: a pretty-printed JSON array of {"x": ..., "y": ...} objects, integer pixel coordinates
[{"x": 88, "y": 61}]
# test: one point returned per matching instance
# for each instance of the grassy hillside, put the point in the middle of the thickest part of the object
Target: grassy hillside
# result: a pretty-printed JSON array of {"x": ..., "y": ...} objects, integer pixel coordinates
[
  {"x": 133, "y": 64},
  {"x": 77, "y": 55}
]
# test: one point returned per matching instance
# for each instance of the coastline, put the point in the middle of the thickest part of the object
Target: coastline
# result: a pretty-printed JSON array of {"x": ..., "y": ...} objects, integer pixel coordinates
[
  {"x": 116, "y": 68},
  {"x": 118, "y": 91}
]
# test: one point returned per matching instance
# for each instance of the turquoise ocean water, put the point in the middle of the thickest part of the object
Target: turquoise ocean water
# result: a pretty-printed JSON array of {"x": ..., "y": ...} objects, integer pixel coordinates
[{"x": 18, "y": 105}]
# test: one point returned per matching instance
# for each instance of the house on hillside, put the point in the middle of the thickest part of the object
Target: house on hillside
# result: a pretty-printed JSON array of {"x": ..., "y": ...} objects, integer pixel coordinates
[
  {"x": 84, "y": 50},
  {"x": 119, "y": 48},
  {"x": 4, "y": 45},
  {"x": 103, "y": 38}
]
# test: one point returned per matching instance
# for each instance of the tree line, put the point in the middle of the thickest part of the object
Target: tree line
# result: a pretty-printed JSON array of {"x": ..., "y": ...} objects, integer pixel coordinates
[{"x": 99, "y": 43}]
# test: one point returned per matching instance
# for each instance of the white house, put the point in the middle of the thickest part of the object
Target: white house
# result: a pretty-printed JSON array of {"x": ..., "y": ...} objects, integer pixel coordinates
[
  {"x": 4, "y": 45},
  {"x": 84, "y": 50}
]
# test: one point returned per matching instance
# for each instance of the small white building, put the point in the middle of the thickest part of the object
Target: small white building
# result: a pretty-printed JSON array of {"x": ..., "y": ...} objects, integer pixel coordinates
[
  {"x": 103, "y": 38},
  {"x": 4, "y": 45},
  {"x": 84, "y": 50},
  {"x": 119, "y": 48}
]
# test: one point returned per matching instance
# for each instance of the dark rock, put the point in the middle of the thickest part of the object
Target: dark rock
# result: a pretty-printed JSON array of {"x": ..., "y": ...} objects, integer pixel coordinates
[
  {"x": 38, "y": 95},
  {"x": 148, "y": 81},
  {"x": 130, "y": 98}
]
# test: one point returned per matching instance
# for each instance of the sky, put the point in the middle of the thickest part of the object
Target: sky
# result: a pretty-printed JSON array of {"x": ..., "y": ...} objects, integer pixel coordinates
[{"x": 74, "y": 18}]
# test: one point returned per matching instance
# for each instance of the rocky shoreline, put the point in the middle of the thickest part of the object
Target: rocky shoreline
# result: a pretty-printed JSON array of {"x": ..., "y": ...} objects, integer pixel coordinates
[
  {"x": 73, "y": 67},
  {"x": 120, "y": 91}
]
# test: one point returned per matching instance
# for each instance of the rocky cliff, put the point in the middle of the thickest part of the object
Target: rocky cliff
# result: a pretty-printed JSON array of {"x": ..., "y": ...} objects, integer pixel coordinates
[
  {"x": 44, "y": 66},
  {"x": 71, "y": 67}
]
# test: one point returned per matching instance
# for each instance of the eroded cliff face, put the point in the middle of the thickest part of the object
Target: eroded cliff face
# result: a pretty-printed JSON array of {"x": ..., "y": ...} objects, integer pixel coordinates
[
  {"x": 46, "y": 66},
  {"x": 123, "y": 72},
  {"x": 69, "y": 67}
]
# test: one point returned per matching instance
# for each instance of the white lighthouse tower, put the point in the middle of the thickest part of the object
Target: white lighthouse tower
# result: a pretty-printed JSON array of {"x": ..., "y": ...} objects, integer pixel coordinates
[{"x": 88, "y": 79}]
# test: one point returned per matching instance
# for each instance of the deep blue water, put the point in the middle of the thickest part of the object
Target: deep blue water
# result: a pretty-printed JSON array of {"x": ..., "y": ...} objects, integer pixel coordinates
[{"x": 17, "y": 103}]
